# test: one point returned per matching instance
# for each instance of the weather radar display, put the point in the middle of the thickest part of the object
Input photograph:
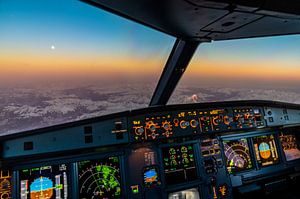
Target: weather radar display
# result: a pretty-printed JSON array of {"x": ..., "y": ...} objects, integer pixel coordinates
[
  {"x": 46, "y": 182},
  {"x": 265, "y": 150},
  {"x": 100, "y": 178},
  {"x": 237, "y": 155}
]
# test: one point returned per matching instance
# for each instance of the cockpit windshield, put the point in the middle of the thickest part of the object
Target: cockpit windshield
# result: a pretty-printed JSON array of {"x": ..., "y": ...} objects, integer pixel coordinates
[
  {"x": 63, "y": 61},
  {"x": 247, "y": 69}
]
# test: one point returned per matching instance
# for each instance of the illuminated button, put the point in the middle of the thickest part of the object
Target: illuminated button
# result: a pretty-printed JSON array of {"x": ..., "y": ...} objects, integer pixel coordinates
[
  {"x": 205, "y": 153},
  {"x": 167, "y": 133},
  {"x": 135, "y": 189}
]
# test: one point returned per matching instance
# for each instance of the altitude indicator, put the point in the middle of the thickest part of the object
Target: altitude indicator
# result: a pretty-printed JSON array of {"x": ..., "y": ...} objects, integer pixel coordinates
[
  {"x": 237, "y": 155},
  {"x": 100, "y": 179},
  {"x": 46, "y": 182},
  {"x": 265, "y": 150}
]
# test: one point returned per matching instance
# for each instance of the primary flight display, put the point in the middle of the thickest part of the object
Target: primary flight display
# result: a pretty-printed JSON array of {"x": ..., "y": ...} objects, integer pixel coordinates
[{"x": 48, "y": 182}]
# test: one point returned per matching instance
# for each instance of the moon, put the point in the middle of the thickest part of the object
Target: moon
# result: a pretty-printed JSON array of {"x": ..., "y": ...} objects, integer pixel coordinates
[{"x": 52, "y": 47}]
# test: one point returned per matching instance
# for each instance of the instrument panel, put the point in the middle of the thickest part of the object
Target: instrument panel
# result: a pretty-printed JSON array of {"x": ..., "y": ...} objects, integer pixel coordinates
[
  {"x": 195, "y": 122},
  {"x": 196, "y": 152}
]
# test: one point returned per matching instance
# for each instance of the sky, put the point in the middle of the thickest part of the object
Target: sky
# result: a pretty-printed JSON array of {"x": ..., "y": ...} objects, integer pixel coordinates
[
  {"x": 54, "y": 40},
  {"x": 59, "y": 39}
]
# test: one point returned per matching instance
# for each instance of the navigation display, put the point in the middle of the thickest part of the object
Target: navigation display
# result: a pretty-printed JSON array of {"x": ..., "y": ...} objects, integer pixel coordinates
[
  {"x": 265, "y": 150},
  {"x": 44, "y": 182},
  {"x": 179, "y": 164},
  {"x": 5, "y": 184},
  {"x": 99, "y": 178},
  {"x": 237, "y": 155},
  {"x": 290, "y": 146}
]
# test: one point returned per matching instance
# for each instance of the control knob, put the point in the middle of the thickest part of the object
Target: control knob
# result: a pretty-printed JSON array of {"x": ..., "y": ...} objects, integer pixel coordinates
[
  {"x": 194, "y": 123},
  {"x": 139, "y": 130},
  {"x": 166, "y": 125}
]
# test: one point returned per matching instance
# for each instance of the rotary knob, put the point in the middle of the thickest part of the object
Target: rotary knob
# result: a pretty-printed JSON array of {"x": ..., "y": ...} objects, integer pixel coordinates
[
  {"x": 184, "y": 124},
  {"x": 139, "y": 130},
  {"x": 152, "y": 127},
  {"x": 194, "y": 123},
  {"x": 166, "y": 125}
]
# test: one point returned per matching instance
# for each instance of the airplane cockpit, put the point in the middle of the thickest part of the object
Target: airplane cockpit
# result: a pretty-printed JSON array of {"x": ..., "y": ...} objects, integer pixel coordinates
[{"x": 217, "y": 143}]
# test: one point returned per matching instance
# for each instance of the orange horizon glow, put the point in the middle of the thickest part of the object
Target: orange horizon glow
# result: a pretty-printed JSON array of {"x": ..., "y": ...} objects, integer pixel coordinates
[
  {"x": 61, "y": 65},
  {"x": 264, "y": 70}
]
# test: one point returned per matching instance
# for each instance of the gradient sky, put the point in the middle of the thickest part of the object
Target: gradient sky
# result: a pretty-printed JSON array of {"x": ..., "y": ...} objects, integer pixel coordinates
[
  {"x": 67, "y": 39},
  {"x": 55, "y": 39}
]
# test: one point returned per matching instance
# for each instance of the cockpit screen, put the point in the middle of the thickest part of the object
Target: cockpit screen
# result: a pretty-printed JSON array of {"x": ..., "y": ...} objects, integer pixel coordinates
[
  {"x": 237, "y": 155},
  {"x": 179, "y": 164},
  {"x": 265, "y": 150},
  {"x": 5, "y": 184},
  {"x": 185, "y": 194},
  {"x": 46, "y": 182},
  {"x": 150, "y": 175},
  {"x": 290, "y": 146},
  {"x": 100, "y": 178}
]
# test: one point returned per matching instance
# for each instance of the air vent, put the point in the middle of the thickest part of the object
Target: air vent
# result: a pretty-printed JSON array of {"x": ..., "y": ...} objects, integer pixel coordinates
[
  {"x": 88, "y": 139},
  {"x": 88, "y": 130},
  {"x": 28, "y": 146}
]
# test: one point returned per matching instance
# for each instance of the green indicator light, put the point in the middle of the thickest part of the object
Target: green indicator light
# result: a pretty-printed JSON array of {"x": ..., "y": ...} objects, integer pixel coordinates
[
  {"x": 135, "y": 189},
  {"x": 59, "y": 186}
]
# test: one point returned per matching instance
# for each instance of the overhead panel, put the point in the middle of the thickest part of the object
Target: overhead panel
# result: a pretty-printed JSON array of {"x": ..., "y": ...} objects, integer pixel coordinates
[
  {"x": 190, "y": 19},
  {"x": 210, "y": 19},
  {"x": 272, "y": 26},
  {"x": 232, "y": 21}
]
